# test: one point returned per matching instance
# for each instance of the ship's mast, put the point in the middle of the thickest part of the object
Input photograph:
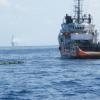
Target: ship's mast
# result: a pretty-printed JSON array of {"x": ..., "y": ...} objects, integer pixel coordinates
[
  {"x": 12, "y": 41},
  {"x": 78, "y": 10}
]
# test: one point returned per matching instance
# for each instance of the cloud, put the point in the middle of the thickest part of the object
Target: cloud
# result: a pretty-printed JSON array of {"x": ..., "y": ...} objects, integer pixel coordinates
[
  {"x": 21, "y": 8},
  {"x": 4, "y": 3}
]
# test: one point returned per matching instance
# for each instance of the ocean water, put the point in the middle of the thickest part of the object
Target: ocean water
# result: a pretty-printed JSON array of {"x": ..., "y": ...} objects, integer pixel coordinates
[{"x": 39, "y": 73}]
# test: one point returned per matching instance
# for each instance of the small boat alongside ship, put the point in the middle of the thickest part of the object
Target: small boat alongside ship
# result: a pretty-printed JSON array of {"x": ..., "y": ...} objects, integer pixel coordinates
[{"x": 78, "y": 37}]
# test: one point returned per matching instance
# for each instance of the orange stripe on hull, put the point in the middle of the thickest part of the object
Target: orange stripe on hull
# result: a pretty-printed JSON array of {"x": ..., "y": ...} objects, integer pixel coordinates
[{"x": 84, "y": 54}]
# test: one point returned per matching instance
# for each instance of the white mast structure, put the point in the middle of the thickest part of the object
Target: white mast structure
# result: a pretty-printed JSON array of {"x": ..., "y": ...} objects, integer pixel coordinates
[{"x": 12, "y": 41}]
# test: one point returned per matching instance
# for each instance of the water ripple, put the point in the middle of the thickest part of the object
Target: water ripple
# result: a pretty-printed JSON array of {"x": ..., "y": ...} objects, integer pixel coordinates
[{"x": 40, "y": 74}]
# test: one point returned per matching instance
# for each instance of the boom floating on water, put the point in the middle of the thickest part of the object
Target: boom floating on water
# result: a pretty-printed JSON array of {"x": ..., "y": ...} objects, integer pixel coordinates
[{"x": 78, "y": 36}]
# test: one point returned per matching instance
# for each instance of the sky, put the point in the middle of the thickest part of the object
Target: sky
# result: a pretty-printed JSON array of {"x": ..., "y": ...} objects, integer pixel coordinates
[{"x": 38, "y": 22}]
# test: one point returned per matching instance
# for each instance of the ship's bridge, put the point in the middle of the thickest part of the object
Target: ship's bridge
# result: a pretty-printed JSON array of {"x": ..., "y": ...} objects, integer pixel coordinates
[
  {"x": 75, "y": 27},
  {"x": 81, "y": 36}
]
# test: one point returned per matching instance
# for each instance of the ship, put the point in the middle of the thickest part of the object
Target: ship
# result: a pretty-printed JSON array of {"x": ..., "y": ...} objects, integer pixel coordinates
[
  {"x": 12, "y": 41},
  {"x": 15, "y": 42},
  {"x": 78, "y": 37}
]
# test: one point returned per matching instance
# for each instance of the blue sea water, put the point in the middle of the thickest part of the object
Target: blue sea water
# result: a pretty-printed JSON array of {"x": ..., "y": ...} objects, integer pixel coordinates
[{"x": 39, "y": 73}]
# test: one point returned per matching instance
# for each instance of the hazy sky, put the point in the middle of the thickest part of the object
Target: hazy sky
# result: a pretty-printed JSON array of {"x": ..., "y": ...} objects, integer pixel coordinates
[{"x": 37, "y": 22}]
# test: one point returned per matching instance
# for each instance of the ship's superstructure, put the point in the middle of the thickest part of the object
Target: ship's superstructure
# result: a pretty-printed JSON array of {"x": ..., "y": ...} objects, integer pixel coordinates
[{"x": 78, "y": 36}]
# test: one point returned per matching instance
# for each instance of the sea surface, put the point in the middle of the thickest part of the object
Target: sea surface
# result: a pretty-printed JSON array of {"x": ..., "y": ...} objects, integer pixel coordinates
[{"x": 39, "y": 73}]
